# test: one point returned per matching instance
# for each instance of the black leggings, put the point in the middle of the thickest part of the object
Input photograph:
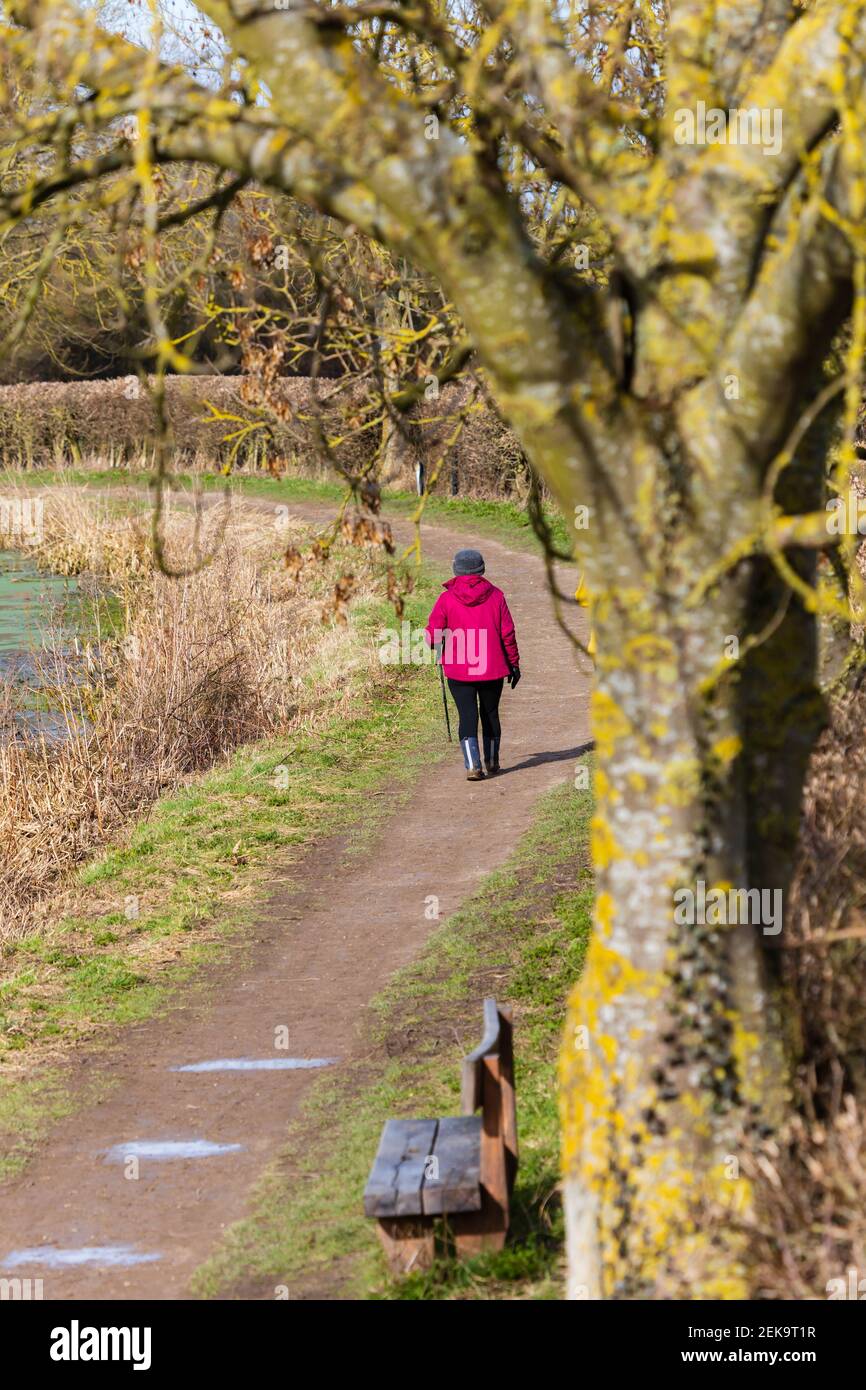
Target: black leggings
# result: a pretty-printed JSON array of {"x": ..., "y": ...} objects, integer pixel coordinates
[{"x": 472, "y": 697}]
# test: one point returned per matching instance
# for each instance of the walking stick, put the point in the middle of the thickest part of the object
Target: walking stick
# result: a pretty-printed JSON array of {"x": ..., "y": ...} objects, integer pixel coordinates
[{"x": 444, "y": 698}]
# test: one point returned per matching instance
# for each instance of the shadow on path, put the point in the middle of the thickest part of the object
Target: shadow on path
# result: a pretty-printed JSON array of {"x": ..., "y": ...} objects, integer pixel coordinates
[{"x": 558, "y": 757}]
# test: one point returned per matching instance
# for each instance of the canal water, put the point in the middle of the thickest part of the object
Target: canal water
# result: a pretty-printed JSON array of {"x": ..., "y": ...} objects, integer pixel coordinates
[{"x": 30, "y": 604}]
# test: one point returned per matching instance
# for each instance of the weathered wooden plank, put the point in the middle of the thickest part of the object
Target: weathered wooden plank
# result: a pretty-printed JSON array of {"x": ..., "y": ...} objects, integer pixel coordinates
[
  {"x": 397, "y": 1175},
  {"x": 486, "y": 1229},
  {"x": 459, "y": 1167},
  {"x": 509, "y": 1101},
  {"x": 471, "y": 1074},
  {"x": 456, "y": 1158}
]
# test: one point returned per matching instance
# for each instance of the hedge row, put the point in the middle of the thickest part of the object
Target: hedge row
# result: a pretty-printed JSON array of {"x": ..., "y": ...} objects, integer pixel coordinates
[{"x": 45, "y": 423}]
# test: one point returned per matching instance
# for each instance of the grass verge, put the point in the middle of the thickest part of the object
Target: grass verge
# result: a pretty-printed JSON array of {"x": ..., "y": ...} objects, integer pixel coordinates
[
  {"x": 499, "y": 519},
  {"x": 522, "y": 938}
]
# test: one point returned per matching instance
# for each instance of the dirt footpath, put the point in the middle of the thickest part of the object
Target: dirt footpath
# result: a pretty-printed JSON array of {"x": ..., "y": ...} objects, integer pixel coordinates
[{"x": 324, "y": 943}]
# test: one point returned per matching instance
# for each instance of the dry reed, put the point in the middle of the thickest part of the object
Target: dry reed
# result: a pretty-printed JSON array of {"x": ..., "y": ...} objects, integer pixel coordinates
[{"x": 205, "y": 664}]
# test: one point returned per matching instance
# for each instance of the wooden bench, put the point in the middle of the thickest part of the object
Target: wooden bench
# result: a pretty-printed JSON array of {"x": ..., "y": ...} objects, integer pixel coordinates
[{"x": 461, "y": 1168}]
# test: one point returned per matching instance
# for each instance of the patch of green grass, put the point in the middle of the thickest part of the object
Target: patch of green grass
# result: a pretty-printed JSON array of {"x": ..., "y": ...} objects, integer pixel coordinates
[
  {"x": 28, "y": 1107},
  {"x": 501, "y": 519},
  {"x": 522, "y": 938}
]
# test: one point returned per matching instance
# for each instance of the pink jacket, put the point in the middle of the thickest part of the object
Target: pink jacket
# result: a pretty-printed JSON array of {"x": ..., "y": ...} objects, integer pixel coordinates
[{"x": 472, "y": 619}]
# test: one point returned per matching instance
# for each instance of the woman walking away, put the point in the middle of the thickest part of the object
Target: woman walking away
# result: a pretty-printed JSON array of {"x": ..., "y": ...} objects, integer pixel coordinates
[{"x": 472, "y": 628}]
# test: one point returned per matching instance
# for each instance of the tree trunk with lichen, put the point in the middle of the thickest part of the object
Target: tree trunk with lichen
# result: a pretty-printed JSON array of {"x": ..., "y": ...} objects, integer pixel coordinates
[
  {"x": 670, "y": 1039},
  {"x": 675, "y": 1055}
]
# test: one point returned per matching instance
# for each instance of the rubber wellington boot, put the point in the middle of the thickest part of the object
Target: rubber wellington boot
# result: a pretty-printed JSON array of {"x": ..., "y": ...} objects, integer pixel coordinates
[
  {"x": 491, "y": 756},
  {"x": 472, "y": 759}
]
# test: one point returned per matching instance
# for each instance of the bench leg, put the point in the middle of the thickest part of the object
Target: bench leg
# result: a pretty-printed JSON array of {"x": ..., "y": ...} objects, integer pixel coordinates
[
  {"x": 475, "y": 1231},
  {"x": 407, "y": 1242}
]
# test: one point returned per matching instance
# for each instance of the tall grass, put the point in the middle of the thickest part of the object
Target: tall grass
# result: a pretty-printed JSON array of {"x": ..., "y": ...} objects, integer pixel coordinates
[{"x": 234, "y": 652}]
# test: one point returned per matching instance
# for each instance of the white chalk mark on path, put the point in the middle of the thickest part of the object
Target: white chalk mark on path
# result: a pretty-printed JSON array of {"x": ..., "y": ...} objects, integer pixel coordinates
[
  {"x": 110, "y": 1256},
  {"x": 165, "y": 1149},
  {"x": 259, "y": 1064}
]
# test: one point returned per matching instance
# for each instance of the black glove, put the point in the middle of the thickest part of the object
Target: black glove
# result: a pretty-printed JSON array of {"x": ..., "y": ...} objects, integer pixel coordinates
[{"x": 514, "y": 677}]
